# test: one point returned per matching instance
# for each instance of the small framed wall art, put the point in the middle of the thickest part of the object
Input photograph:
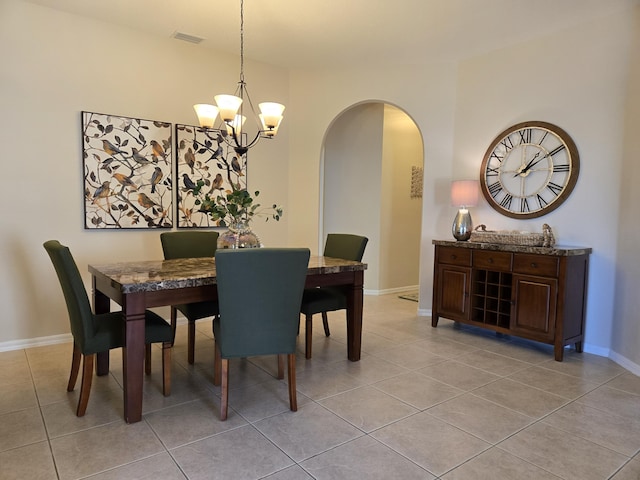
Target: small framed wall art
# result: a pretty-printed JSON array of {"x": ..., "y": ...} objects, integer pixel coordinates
[
  {"x": 127, "y": 172},
  {"x": 204, "y": 157}
]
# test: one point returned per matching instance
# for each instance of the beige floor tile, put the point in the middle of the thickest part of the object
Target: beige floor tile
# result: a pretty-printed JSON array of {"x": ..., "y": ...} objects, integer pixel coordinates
[
  {"x": 29, "y": 462},
  {"x": 242, "y": 453},
  {"x": 158, "y": 467},
  {"x": 459, "y": 375},
  {"x": 263, "y": 400},
  {"x": 309, "y": 431},
  {"x": 526, "y": 400},
  {"x": 445, "y": 348},
  {"x": 496, "y": 464},
  {"x": 373, "y": 343},
  {"x": 482, "y": 418},
  {"x": 410, "y": 356},
  {"x": 566, "y": 386},
  {"x": 525, "y": 351},
  {"x": 291, "y": 473},
  {"x": 418, "y": 390},
  {"x": 15, "y": 371},
  {"x": 324, "y": 382},
  {"x": 368, "y": 408},
  {"x": 105, "y": 406},
  {"x": 591, "y": 368},
  {"x": 627, "y": 382},
  {"x": 431, "y": 443},
  {"x": 102, "y": 448},
  {"x": 17, "y": 396},
  {"x": 566, "y": 456},
  {"x": 492, "y": 362},
  {"x": 631, "y": 471},
  {"x": 613, "y": 400},
  {"x": 602, "y": 427},
  {"x": 190, "y": 422},
  {"x": 363, "y": 458},
  {"x": 20, "y": 428},
  {"x": 369, "y": 369}
]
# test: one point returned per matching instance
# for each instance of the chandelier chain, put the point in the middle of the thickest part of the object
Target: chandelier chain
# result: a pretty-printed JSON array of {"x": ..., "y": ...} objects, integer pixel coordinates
[{"x": 242, "y": 41}]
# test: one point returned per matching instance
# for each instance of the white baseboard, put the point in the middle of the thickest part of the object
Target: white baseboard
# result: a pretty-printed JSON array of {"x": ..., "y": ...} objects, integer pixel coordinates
[
  {"x": 626, "y": 363},
  {"x": 35, "y": 342},
  {"x": 387, "y": 291},
  {"x": 424, "y": 312}
]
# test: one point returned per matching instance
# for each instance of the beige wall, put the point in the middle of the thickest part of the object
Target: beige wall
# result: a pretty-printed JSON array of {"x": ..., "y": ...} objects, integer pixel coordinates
[{"x": 55, "y": 65}]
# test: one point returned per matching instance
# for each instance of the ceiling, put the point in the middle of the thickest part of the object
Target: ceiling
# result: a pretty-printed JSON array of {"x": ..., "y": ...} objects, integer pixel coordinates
[{"x": 339, "y": 33}]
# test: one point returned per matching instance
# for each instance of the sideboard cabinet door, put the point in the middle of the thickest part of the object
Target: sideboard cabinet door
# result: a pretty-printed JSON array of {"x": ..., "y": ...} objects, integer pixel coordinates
[
  {"x": 454, "y": 284},
  {"x": 534, "y": 307}
]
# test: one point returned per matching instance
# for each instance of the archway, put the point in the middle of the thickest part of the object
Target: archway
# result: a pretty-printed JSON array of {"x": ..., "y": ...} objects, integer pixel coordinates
[{"x": 371, "y": 152}]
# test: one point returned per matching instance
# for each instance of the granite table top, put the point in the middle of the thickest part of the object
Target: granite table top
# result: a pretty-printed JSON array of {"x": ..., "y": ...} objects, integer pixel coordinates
[
  {"x": 156, "y": 275},
  {"x": 556, "y": 250}
]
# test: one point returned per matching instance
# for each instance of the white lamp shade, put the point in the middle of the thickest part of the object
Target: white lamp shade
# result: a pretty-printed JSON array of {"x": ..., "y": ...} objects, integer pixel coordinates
[
  {"x": 236, "y": 125},
  {"x": 228, "y": 105},
  {"x": 206, "y": 114},
  {"x": 270, "y": 114},
  {"x": 272, "y": 131},
  {"x": 464, "y": 193}
]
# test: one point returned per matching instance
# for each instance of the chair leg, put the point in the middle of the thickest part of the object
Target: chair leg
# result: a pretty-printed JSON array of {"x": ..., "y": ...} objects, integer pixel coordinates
[
  {"x": 216, "y": 365},
  {"x": 224, "y": 394},
  {"x": 325, "y": 324},
  {"x": 174, "y": 323},
  {"x": 291, "y": 371},
  {"x": 191, "y": 341},
  {"x": 166, "y": 369},
  {"x": 85, "y": 385},
  {"x": 75, "y": 367},
  {"x": 280, "y": 366},
  {"x": 147, "y": 359},
  {"x": 308, "y": 335}
]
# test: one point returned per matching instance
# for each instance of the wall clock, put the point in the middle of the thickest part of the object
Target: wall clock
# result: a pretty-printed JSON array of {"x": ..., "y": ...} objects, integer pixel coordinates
[{"x": 529, "y": 170}]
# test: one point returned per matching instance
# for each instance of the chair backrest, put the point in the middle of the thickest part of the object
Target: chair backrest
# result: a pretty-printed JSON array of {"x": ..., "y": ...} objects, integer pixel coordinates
[
  {"x": 345, "y": 246},
  {"x": 75, "y": 295},
  {"x": 188, "y": 244},
  {"x": 259, "y": 294}
]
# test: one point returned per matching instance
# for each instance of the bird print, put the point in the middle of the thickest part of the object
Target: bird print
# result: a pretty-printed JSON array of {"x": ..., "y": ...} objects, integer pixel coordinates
[
  {"x": 125, "y": 181},
  {"x": 235, "y": 164},
  {"x": 145, "y": 201},
  {"x": 158, "y": 151},
  {"x": 190, "y": 159},
  {"x": 102, "y": 191},
  {"x": 111, "y": 149},
  {"x": 217, "y": 182},
  {"x": 139, "y": 158},
  {"x": 155, "y": 178},
  {"x": 188, "y": 183}
]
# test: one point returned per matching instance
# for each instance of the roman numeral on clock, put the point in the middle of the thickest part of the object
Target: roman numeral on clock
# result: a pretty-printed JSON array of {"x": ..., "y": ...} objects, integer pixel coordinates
[{"x": 495, "y": 188}]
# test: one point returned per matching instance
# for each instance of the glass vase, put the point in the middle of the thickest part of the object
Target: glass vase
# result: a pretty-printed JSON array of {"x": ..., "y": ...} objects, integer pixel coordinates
[{"x": 239, "y": 235}]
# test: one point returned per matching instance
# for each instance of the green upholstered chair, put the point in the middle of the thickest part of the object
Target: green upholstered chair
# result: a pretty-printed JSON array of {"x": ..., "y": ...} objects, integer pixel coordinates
[
  {"x": 328, "y": 299},
  {"x": 188, "y": 244},
  {"x": 259, "y": 293},
  {"x": 99, "y": 333}
]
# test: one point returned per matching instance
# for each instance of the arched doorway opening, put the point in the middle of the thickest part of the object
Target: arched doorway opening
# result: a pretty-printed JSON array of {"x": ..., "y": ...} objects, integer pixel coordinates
[{"x": 372, "y": 185}]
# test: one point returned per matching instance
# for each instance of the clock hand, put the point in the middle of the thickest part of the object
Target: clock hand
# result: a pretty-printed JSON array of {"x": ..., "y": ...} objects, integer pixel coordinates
[{"x": 528, "y": 166}]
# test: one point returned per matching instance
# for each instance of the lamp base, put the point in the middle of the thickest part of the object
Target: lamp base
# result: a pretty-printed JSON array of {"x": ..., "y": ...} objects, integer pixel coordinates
[{"x": 462, "y": 225}]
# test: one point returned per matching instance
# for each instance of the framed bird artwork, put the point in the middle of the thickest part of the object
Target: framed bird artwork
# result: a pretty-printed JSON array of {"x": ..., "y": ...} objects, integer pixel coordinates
[
  {"x": 205, "y": 165},
  {"x": 128, "y": 170}
]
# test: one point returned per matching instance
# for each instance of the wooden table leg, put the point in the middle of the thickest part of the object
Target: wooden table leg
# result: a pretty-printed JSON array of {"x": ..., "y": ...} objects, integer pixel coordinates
[
  {"x": 133, "y": 355},
  {"x": 355, "y": 301},
  {"x": 101, "y": 304}
]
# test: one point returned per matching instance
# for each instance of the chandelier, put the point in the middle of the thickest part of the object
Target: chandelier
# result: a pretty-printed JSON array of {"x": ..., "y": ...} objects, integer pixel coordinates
[{"x": 231, "y": 110}]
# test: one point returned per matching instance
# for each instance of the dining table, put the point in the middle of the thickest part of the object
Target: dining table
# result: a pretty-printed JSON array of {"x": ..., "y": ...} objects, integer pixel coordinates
[{"x": 139, "y": 285}]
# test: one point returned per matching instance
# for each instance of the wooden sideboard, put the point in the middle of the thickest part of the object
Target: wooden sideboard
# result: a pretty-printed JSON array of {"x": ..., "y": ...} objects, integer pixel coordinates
[{"x": 535, "y": 293}]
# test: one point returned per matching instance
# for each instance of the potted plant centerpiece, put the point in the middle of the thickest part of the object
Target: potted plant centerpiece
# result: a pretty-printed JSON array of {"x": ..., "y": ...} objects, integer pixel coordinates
[{"x": 235, "y": 209}]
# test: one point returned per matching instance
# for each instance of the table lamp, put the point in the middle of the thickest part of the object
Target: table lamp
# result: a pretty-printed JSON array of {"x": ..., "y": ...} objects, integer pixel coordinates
[{"x": 464, "y": 193}]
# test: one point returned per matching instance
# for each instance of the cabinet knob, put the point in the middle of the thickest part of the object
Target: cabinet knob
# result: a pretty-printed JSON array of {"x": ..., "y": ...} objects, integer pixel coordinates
[
  {"x": 490, "y": 260},
  {"x": 534, "y": 265},
  {"x": 453, "y": 257}
]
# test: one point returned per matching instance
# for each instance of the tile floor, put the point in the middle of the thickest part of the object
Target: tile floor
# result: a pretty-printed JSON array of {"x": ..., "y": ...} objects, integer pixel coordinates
[{"x": 423, "y": 403}]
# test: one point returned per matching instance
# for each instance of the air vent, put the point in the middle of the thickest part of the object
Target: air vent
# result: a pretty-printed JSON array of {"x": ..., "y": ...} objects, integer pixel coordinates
[{"x": 187, "y": 38}]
